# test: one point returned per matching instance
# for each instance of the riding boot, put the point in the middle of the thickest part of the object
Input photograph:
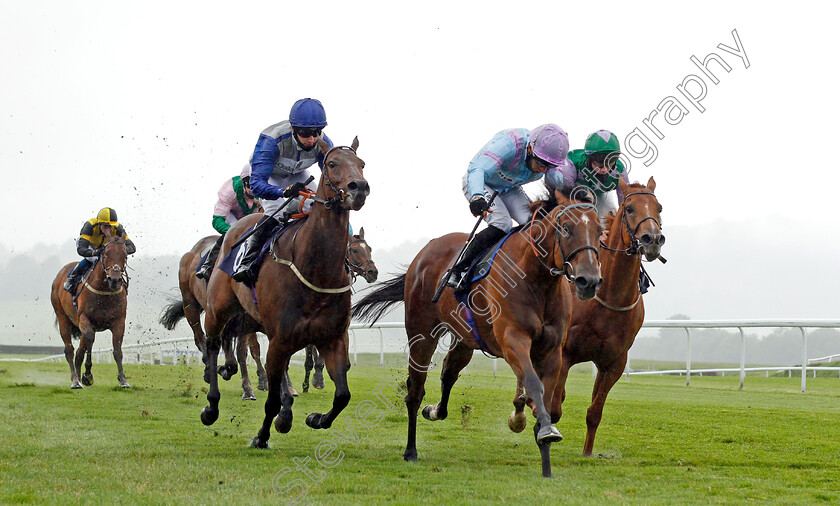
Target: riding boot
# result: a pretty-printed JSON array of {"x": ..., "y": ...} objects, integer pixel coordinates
[
  {"x": 479, "y": 243},
  {"x": 207, "y": 267},
  {"x": 244, "y": 272},
  {"x": 73, "y": 278}
]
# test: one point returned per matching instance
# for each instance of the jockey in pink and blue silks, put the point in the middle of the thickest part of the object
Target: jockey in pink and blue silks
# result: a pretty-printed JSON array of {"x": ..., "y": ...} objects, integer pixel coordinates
[
  {"x": 511, "y": 159},
  {"x": 235, "y": 201},
  {"x": 279, "y": 166}
]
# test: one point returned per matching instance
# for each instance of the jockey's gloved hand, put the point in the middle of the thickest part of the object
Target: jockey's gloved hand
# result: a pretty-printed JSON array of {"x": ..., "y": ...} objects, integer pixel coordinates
[
  {"x": 293, "y": 190},
  {"x": 98, "y": 251},
  {"x": 478, "y": 205}
]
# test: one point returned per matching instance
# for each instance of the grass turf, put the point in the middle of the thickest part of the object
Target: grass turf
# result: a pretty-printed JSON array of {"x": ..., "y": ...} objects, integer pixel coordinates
[{"x": 659, "y": 442}]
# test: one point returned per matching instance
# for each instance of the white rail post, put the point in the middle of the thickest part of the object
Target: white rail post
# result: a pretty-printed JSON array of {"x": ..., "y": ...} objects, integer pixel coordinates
[
  {"x": 804, "y": 358},
  {"x": 494, "y": 366},
  {"x": 743, "y": 356},
  {"x": 594, "y": 371},
  {"x": 688, "y": 357},
  {"x": 381, "y": 348}
]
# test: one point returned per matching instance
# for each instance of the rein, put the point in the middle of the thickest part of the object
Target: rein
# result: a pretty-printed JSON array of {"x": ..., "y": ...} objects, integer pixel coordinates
[{"x": 566, "y": 270}]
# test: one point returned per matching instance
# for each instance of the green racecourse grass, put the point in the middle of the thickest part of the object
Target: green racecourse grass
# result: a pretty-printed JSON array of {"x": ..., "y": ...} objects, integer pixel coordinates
[{"x": 659, "y": 442}]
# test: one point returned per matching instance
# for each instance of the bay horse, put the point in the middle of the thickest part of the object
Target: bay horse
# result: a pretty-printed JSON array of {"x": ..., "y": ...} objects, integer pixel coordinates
[
  {"x": 302, "y": 294},
  {"x": 193, "y": 299},
  {"x": 100, "y": 305},
  {"x": 359, "y": 263},
  {"x": 603, "y": 329},
  {"x": 521, "y": 309}
]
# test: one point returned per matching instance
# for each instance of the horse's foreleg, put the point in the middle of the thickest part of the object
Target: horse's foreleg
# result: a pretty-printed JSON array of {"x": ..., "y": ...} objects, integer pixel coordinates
[
  {"x": 254, "y": 346},
  {"x": 556, "y": 408},
  {"x": 456, "y": 360},
  {"x": 517, "y": 352},
  {"x": 338, "y": 363},
  {"x": 242, "y": 358},
  {"x": 604, "y": 381},
  {"x": 117, "y": 333}
]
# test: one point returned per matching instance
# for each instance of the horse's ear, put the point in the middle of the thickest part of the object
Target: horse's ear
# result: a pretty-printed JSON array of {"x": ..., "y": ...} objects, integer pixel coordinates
[
  {"x": 624, "y": 186},
  {"x": 355, "y": 144},
  {"x": 651, "y": 184},
  {"x": 323, "y": 146},
  {"x": 362, "y": 233},
  {"x": 562, "y": 200}
]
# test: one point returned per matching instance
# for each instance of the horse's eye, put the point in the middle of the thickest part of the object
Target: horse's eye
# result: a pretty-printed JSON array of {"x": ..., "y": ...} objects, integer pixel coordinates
[
  {"x": 363, "y": 165},
  {"x": 659, "y": 208},
  {"x": 354, "y": 250},
  {"x": 630, "y": 210},
  {"x": 567, "y": 231},
  {"x": 331, "y": 165}
]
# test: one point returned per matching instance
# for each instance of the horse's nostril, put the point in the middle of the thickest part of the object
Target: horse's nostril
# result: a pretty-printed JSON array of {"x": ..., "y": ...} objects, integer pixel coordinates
[
  {"x": 661, "y": 240},
  {"x": 352, "y": 186},
  {"x": 647, "y": 239}
]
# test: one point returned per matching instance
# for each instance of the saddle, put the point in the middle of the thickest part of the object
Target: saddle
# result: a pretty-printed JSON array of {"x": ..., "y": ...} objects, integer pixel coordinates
[{"x": 229, "y": 263}]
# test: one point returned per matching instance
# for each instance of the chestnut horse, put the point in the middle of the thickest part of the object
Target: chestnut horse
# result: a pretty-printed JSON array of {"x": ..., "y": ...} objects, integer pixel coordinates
[
  {"x": 359, "y": 263},
  {"x": 521, "y": 309},
  {"x": 101, "y": 304},
  {"x": 302, "y": 296},
  {"x": 604, "y": 328}
]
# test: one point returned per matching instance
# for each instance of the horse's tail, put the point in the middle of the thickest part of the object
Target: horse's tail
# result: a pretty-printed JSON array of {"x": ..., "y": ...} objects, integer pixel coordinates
[
  {"x": 376, "y": 303},
  {"x": 172, "y": 314}
]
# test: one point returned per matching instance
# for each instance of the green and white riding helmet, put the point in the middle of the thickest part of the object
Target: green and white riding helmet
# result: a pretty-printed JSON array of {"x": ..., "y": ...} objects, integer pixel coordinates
[{"x": 602, "y": 145}]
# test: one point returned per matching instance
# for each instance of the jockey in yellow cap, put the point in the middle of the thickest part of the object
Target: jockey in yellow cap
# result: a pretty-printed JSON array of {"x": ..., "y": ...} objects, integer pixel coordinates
[{"x": 91, "y": 243}]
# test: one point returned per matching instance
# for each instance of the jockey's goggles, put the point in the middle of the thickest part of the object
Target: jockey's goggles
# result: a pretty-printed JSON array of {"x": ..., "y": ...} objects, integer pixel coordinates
[
  {"x": 303, "y": 132},
  {"x": 543, "y": 163}
]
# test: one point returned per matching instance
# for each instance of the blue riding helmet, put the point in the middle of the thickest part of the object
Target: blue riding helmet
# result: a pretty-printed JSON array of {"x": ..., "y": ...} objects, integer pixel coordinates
[{"x": 308, "y": 112}]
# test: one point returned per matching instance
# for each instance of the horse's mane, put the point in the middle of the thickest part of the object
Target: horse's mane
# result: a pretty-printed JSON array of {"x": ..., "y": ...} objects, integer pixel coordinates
[{"x": 548, "y": 200}]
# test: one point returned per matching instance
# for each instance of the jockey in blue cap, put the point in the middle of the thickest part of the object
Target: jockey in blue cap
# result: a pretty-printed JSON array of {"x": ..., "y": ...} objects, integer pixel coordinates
[{"x": 279, "y": 167}]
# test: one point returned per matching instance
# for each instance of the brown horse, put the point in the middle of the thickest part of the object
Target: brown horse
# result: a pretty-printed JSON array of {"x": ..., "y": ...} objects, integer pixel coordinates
[
  {"x": 302, "y": 294},
  {"x": 359, "y": 263},
  {"x": 522, "y": 310},
  {"x": 193, "y": 299},
  {"x": 604, "y": 328},
  {"x": 101, "y": 304}
]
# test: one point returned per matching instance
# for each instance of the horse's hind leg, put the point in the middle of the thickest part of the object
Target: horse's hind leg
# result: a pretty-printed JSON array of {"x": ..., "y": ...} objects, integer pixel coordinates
[
  {"x": 457, "y": 358},
  {"x": 192, "y": 312},
  {"x": 604, "y": 381},
  {"x": 242, "y": 358},
  {"x": 254, "y": 346},
  {"x": 307, "y": 366},
  {"x": 232, "y": 333},
  {"x": 338, "y": 363},
  {"x": 318, "y": 377},
  {"x": 117, "y": 333},
  {"x": 65, "y": 328}
]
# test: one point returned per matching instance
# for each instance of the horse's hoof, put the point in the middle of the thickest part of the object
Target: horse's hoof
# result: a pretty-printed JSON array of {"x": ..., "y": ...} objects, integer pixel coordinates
[
  {"x": 257, "y": 443},
  {"x": 306, "y": 388},
  {"x": 248, "y": 395},
  {"x": 87, "y": 380},
  {"x": 209, "y": 415},
  {"x": 262, "y": 385},
  {"x": 282, "y": 423},
  {"x": 517, "y": 421},
  {"x": 311, "y": 420},
  {"x": 318, "y": 381},
  {"x": 124, "y": 384},
  {"x": 292, "y": 391},
  {"x": 75, "y": 385},
  {"x": 225, "y": 372},
  {"x": 549, "y": 434},
  {"x": 430, "y": 413},
  {"x": 410, "y": 456}
]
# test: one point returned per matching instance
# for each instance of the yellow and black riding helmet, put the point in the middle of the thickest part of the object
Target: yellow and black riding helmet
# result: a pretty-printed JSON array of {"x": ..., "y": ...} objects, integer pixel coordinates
[{"x": 107, "y": 215}]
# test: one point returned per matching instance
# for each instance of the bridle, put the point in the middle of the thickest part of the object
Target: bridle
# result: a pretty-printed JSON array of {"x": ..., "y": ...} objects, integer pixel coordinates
[
  {"x": 634, "y": 248},
  {"x": 340, "y": 194},
  {"x": 353, "y": 265},
  {"x": 567, "y": 270}
]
